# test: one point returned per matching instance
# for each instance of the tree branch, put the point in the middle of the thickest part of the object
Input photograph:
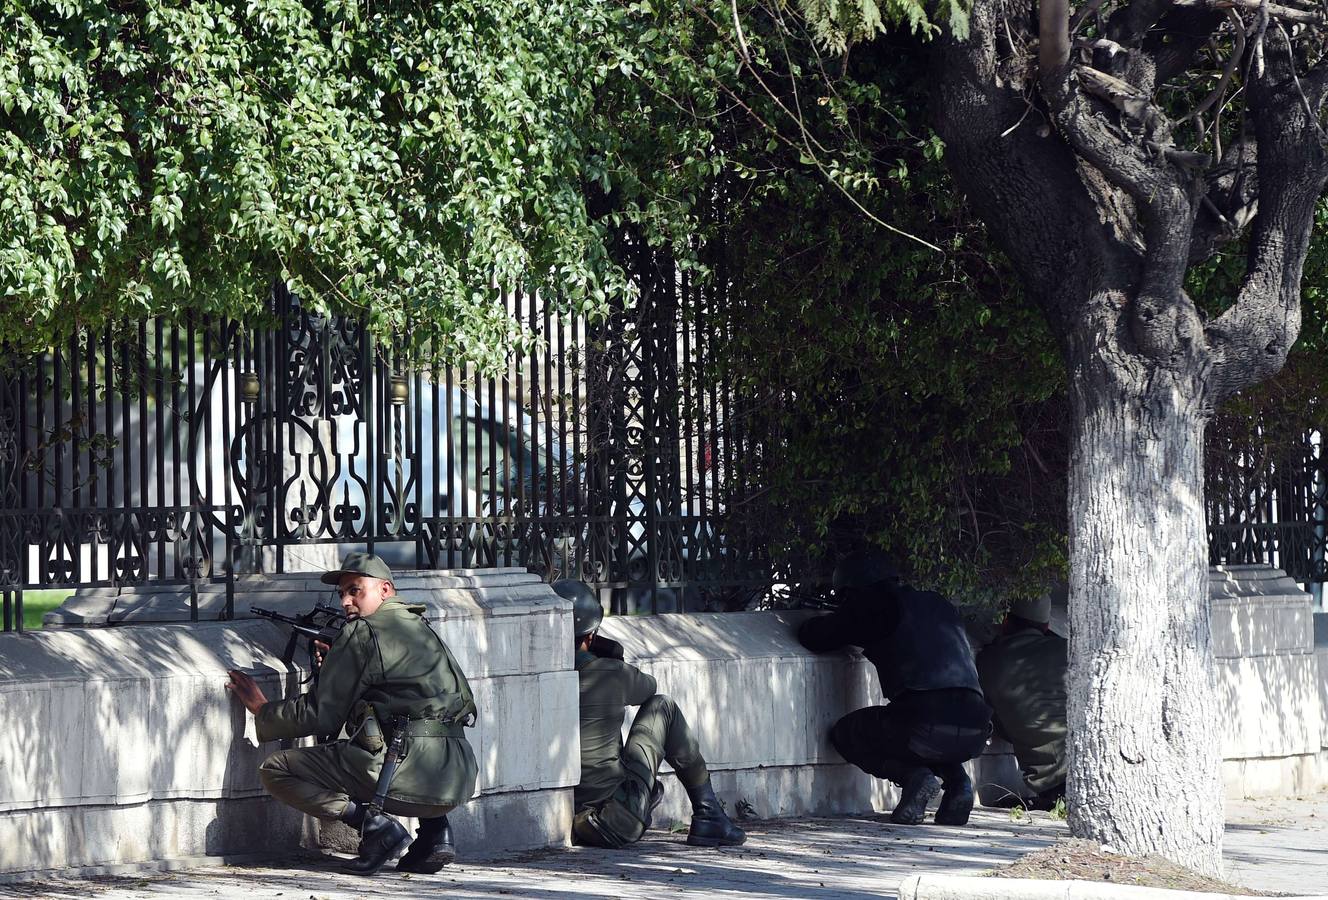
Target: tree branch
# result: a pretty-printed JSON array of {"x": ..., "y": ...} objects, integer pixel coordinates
[
  {"x": 1130, "y": 24},
  {"x": 1020, "y": 179},
  {"x": 1180, "y": 35},
  {"x": 1275, "y": 11},
  {"x": 1230, "y": 199},
  {"x": 1250, "y": 341},
  {"x": 1054, "y": 34},
  {"x": 1237, "y": 52},
  {"x": 1164, "y": 322}
]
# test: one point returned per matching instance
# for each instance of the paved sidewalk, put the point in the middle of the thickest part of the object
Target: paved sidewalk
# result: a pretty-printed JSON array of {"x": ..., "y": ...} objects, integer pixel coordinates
[
  {"x": 801, "y": 859},
  {"x": 1279, "y": 846}
]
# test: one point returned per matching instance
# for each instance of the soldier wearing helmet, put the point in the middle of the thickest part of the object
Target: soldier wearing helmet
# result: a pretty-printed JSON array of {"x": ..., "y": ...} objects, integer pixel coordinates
[
  {"x": 937, "y": 718},
  {"x": 620, "y": 781},
  {"x": 1023, "y": 676}
]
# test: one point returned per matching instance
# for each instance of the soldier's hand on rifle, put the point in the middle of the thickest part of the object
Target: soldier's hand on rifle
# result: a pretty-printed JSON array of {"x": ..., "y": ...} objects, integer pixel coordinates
[
  {"x": 320, "y": 650},
  {"x": 247, "y": 691}
]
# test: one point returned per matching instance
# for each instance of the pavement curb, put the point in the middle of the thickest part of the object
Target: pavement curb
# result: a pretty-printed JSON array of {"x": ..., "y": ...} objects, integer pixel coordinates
[{"x": 968, "y": 887}]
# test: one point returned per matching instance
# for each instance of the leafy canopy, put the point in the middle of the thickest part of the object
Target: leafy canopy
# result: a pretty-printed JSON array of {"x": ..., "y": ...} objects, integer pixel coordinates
[{"x": 393, "y": 158}]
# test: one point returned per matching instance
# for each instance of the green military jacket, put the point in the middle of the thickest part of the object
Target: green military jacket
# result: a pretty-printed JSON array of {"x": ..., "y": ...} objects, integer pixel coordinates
[
  {"x": 395, "y": 663},
  {"x": 1023, "y": 679},
  {"x": 608, "y": 687}
]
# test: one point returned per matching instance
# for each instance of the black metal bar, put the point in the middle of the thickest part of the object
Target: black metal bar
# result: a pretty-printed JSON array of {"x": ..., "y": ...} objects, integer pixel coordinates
[
  {"x": 536, "y": 513},
  {"x": 417, "y": 459},
  {"x": 159, "y": 436},
  {"x": 507, "y": 522},
  {"x": 522, "y": 451},
  {"x": 452, "y": 469},
  {"x": 94, "y": 432},
  {"x": 372, "y": 497},
  {"x": 580, "y": 393},
  {"x": 144, "y": 458},
  {"x": 481, "y": 433}
]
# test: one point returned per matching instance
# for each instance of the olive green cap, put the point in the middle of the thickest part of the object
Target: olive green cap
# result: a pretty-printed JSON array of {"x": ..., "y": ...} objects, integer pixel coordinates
[{"x": 360, "y": 564}]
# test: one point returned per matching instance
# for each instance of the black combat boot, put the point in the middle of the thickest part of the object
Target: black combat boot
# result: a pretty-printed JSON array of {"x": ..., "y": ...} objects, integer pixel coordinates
[
  {"x": 431, "y": 850},
  {"x": 711, "y": 826},
  {"x": 957, "y": 801},
  {"x": 915, "y": 791},
  {"x": 381, "y": 838}
]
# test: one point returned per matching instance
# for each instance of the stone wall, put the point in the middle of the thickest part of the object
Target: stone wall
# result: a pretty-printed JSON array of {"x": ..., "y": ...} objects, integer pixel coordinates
[
  {"x": 122, "y": 746},
  {"x": 1270, "y": 684},
  {"x": 761, "y": 706},
  {"x": 129, "y": 750}
]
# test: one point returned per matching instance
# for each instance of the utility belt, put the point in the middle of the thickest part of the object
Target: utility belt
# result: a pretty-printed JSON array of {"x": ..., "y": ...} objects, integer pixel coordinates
[
  {"x": 427, "y": 726},
  {"x": 367, "y": 733}
]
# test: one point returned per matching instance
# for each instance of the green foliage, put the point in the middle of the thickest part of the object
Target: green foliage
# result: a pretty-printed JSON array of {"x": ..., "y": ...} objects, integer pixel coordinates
[
  {"x": 392, "y": 158},
  {"x": 839, "y": 24},
  {"x": 895, "y": 395}
]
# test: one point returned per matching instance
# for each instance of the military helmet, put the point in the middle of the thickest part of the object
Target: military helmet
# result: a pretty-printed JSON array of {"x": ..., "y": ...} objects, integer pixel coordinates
[
  {"x": 1036, "y": 610},
  {"x": 863, "y": 568},
  {"x": 586, "y": 611}
]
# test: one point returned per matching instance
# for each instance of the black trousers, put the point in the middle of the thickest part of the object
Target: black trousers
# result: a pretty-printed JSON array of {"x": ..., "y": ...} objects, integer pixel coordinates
[{"x": 937, "y": 730}]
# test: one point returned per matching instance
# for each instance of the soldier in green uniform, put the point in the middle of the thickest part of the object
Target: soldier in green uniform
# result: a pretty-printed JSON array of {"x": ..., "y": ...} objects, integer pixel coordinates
[
  {"x": 619, "y": 782},
  {"x": 387, "y": 666},
  {"x": 1023, "y": 678}
]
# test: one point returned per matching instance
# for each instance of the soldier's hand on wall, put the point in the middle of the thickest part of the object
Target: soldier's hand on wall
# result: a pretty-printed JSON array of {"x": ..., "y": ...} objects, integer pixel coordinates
[{"x": 246, "y": 690}]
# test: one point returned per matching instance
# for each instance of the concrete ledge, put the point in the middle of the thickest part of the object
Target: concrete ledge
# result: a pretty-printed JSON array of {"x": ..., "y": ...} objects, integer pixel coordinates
[
  {"x": 932, "y": 886},
  {"x": 126, "y": 748},
  {"x": 761, "y": 706}
]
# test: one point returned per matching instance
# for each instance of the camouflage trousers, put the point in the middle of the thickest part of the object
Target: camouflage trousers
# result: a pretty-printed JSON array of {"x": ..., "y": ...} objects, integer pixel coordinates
[
  {"x": 320, "y": 780},
  {"x": 659, "y": 734}
]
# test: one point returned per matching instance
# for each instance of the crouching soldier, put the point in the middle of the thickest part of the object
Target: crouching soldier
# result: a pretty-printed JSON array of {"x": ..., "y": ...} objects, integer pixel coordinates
[
  {"x": 619, "y": 782},
  {"x": 386, "y": 676},
  {"x": 1023, "y": 677},
  {"x": 937, "y": 718}
]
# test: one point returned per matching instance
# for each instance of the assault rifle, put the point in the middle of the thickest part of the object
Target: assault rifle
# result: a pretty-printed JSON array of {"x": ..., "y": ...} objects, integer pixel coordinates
[{"x": 320, "y": 625}]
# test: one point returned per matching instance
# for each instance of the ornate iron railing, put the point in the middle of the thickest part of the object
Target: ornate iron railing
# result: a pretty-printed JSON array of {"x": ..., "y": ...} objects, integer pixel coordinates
[
  {"x": 1267, "y": 502},
  {"x": 193, "y": 452}
]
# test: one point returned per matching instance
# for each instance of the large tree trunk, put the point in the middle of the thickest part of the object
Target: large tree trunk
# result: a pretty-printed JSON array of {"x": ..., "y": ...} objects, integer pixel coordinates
[
  {"x": 1070, "y": 158},
  {"x": 1144, "y": 740}
]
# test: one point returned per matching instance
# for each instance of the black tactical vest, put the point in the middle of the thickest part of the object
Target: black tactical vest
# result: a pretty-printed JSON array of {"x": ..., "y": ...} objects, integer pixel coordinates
[{"x": 927, "y": 651}]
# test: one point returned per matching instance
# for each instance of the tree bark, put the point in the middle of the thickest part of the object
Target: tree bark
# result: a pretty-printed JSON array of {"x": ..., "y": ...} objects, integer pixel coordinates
[
  {"x": 1144, "y": 741},
  {"x": 1075, "y": 171}
]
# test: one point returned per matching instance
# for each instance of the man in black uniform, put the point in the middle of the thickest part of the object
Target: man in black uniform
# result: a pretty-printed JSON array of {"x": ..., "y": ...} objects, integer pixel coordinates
[
  {"x": 619, "y": 783},
  {"x": 936, "y": 719}
]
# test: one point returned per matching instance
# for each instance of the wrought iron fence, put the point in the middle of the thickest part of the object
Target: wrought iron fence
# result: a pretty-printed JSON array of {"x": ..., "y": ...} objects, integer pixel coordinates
[
  {"x": 1267, "y": 502},
  {"x": 193, "y": 452}
]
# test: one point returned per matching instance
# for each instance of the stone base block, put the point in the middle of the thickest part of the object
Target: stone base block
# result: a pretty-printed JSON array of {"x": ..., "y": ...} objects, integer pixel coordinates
[
  {"x": 1288, "y": 776},
  {"x": 90, "y": 836}
]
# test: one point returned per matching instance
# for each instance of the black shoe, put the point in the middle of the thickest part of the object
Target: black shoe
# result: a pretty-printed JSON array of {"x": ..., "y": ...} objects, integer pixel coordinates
[
  {"x": 656, "y": 795},
  {"x": 382, "y": 838},
  {"x": 957, "y": 801},
  {"x": 915, "y": 792},
  {"x": 711, "y": 826},
  {"x": 432, "y": 850}
]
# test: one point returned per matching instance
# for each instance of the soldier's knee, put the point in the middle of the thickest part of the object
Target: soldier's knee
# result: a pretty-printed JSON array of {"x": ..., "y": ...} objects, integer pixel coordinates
[
  {"x": 274, "y": 768},
  {"x": 661, "y": 702}
]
